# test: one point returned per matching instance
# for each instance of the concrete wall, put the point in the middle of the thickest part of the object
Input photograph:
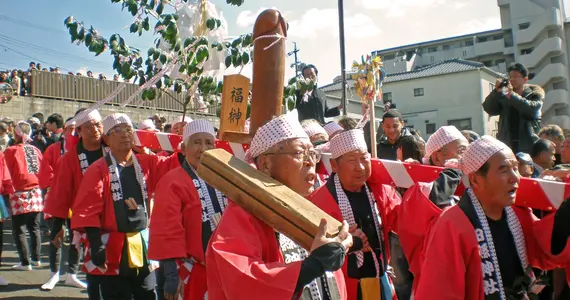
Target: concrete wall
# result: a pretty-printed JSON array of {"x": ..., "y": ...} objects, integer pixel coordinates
[{"x": 21, "y": 108}]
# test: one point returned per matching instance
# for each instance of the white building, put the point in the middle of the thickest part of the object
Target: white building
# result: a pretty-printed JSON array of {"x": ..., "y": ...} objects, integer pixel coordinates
[
  {"x": 446, "y": 93},
  {"x": 533, "y": 32}
]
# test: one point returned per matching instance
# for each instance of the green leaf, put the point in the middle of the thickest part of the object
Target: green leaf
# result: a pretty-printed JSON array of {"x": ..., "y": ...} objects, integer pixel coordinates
[
  {"x": 159, "y": 8},
  {"x": 146, "y": 25},
  {"x": 211, "y": 24},
  {"x": 236, "y": 60},
  {"x": 81, "y": 34},
  {"x": 159, "y": 84},
  {"x": 134, "y": 27},
  {"x": 246, "y": 40},
  {"x": 245, "y": 58},
  {"x": 144, "y": 94},
  {"x": 125, "y": 67},
  {"x": 151, "y": 94},
  {"x": 220, "y": 47},
  {"x": 162, "y": 59},
  {"x": 236, "y": 42},
  {"x": 133, "y": 8},
  {"x": 228, "y": 61},
  {"x": 156, "y": 54},
  {"x": 218, "y": 23},
  {"x": 68, "y": 20},
  {"x": 292, "y": 81},
  {"x": 152, "y": 3},
  {"x": 88, "y": 39},
  {"x": 220, "y": 87},
  {"x": 202, "y": 54},
  {"x": 150, "y": 51},
  {"x": 179, "y": 89},
  {"x": 142, "y": 80},
  {"x": 167, "y": 81}
]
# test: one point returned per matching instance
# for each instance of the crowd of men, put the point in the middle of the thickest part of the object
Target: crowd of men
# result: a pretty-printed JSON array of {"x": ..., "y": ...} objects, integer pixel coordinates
[{"x": 146, "y": 226}]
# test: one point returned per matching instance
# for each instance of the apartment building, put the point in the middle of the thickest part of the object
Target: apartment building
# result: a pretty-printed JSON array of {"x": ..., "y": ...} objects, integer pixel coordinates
[{"x": 533, "y": 32}]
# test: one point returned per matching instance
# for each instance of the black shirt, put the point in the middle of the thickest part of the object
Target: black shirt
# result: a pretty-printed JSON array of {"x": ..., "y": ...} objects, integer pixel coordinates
[
  {"x": 130, "y": 220},
  {"x": 509, "y": 261},
  {"x": 365, "y": 219}
]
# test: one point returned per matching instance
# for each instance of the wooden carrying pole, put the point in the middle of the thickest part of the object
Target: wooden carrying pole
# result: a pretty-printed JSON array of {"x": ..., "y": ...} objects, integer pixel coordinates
[{"x": 264, "y": 197}]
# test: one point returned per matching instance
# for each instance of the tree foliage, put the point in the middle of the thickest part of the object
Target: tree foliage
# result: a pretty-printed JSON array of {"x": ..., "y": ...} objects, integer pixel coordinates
[{"x": 190, "y": 53}]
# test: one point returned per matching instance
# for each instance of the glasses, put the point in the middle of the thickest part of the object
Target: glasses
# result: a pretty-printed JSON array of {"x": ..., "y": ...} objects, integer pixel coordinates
[
  {"x": 118, "y": 129},
  {"x": 302, "y": 155}
]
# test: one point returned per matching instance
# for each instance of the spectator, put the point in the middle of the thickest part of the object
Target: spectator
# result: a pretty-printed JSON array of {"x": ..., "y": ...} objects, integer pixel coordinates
[
  {"x": 542, "y": 153},
  {"x": 526, "y": 165},
  {"x": 56, "y": 70},
  {"x": 347, "y": 123},
  {"x": 115, "y": 77},
  {"x": 5, "y": 138},
  {"x": 393, "y": 126},
  {"x": 313, "y": 104},
  {"x": 54, "y": 127},
  {"x": 39, "y": 66},
  {"x": 102, "y": 77},
  {"x": 78, "y": 74},
  {"x": 471, "y": 136},
  {"x": 89, "y": 74},
  {"x": 4, "y": 77},
  {"x": 168, "y": 128},
  {"x": 11, "y": 125},
  {"x": 411, "y": 147},
  {"x": 40, "y": 117},
  {"x": 554, "y": 134},
  {"x": 518, "y": 106},
  {"x": 32, "y": 66},
  {"x": 16, "y": 82}
]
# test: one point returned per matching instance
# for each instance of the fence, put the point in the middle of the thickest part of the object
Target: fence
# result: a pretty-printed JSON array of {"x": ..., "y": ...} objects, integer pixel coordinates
[{"x": 85, "y": 89}]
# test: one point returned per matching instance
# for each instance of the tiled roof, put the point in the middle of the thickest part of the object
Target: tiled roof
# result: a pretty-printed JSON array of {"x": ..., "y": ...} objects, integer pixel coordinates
[{"x": 446, "y": 67}]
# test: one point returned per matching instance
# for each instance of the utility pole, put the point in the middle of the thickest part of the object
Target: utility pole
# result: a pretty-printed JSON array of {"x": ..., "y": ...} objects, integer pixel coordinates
[
  {"x": 342, "y": 55},
  {"x": 297, "y": 62}
]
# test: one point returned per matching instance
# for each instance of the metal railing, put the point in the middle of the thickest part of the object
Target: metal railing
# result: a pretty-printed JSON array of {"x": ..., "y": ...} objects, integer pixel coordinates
[{"x": 85, "y": 89}]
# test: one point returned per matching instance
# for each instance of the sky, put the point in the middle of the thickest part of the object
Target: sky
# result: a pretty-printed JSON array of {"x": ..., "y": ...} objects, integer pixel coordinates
[{"x": 33, "y": 30}]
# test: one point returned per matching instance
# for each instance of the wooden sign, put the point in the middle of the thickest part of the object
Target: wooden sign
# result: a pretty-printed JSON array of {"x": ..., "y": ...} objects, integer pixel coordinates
[
  {"x": 264, "y": 197},
  {"x": 235, "y": 96}
]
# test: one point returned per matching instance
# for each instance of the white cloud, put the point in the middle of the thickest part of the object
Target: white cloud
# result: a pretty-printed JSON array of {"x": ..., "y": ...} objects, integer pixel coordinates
[
  {"x": 317, "y": 23},
  {"x": 479, "y": 25},
  {"x": 395, "y": 8},
  {"x": 247, "y": 18}
]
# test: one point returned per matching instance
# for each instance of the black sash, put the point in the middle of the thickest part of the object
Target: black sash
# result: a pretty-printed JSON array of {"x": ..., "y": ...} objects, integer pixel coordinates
[
  {"x": 61, "y": 147},
  {"x": 206, "y": 227},
  {"x": 352, "y": 266}
]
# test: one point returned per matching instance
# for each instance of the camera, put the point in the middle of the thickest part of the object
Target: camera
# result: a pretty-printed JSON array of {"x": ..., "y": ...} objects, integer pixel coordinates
[{"x": 504, "y": 83}]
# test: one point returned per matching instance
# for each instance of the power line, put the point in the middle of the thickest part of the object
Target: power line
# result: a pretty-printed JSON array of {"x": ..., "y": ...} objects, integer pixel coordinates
[
  {"x": 30, "y": 57},
  {"x": 29, "y": 24},
  {"x": 47, "y": 51}
]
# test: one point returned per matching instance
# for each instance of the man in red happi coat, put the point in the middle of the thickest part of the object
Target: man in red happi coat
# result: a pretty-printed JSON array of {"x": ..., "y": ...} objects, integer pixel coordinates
[
  {"x": 68, "y": 173},
  {"x": 6, "y": 188},
  {"x": 23, "y": 161},
  {"x": 53, "y": 153},
  {"x": 112, "y": 207},
  {"x": 247, "y": 259},
  {"x": 185, "y": 213},
  {"x": 423, "y": 202},
  {"x": 484, "y": 247},
  {"x": 350, "y": 194}
]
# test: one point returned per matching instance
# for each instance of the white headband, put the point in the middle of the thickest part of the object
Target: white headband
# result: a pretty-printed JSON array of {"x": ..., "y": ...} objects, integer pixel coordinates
[
  {"x": 347, "y": 141},
  {"x": 115, "y": 119}
]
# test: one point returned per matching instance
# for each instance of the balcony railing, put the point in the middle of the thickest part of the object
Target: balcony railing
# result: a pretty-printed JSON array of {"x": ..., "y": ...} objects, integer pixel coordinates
[{"x": 85, "y": 89}]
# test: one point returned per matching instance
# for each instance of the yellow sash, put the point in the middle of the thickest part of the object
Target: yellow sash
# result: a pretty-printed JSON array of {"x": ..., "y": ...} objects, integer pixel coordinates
[
  {"x": 135, "y": 244},
  {"x": 371, "y": 288},
  {"x": 69, "y": 214}
]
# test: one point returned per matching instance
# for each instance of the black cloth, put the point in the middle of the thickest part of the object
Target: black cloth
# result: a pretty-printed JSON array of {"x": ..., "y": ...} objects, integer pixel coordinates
[
  {"x": 160, "y": 280},
  {"x": 55, "y": 253},
  {"x": 93, "y": 286},
  {"x": 31, "y": 223},
  {"x": 92, "y": 156},
  {"x": 171, "y": 280},
  {"x": 443, "y": 191},
  {"x": 206, "y": 228},
  {"x": 130, "y": 220},
  {"x": 316, "y": 107},
  {"x": 326, "y": 258},
  {"x": 98, "y": 255},
  {"x": 385, "y": 150},
  {"x": 1, "y": 240},
  {"x": 403, "y": 279},
  {"x": 135, "y": 284},
  {"x": 523, "y": 109},
  {"x": 509, "y": 261}
]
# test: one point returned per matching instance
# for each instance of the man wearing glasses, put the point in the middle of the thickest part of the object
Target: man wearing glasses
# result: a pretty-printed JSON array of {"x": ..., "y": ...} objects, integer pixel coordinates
[{"x": 518, "y": 105}]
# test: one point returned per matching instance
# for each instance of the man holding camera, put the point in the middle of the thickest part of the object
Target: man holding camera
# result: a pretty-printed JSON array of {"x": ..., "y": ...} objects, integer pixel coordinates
[{"x": 518, "y": 105}]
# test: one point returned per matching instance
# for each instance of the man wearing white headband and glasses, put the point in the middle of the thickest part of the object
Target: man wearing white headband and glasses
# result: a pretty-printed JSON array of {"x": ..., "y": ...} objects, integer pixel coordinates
[
  {"x": 370, "y": 209},
  {"x": 484, "y": 247},
  {"x": 112, "y": 207},
  {"x": 68, "y": 173},
  {"x": 23, "y": 161},
  {"x": 186, "y": 212},
  {"x": 246, "y": 259},
  {"x": 320, "y": 140}
]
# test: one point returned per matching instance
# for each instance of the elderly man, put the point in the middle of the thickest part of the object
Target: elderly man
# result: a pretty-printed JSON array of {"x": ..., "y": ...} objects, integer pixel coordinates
[
  {"x": 245, "y": 257},
  {"x": 186, "y": 212},
  {"x": 555, "y": 134},
  {"x": 423, "y": 202},
  {"x": 112, "y": 207},
  {"x": 483, "y": 247},
  {"x": 372, "y": 208}
]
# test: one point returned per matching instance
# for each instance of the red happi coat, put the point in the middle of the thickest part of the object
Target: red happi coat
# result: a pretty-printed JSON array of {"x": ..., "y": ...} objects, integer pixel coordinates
[
  {"x": 6, "y": 187},
  {"x": 244, "y": 261},
  {"x": 18, "y": 167},
  {"x": 388, "y": 202},
  {"x": 176, "y": 229},
  {"x": 49, "y": 164},
  {"x": 93, "y": 207},
  {"x": 452, "y": 265}
]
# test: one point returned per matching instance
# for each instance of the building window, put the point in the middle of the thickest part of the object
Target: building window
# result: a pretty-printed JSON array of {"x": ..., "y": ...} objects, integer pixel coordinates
[
  {"x": 500, "y": 61},
  {"x": 461, "y": 124},
  {"x": 527, "y": 51},
  {"x": 524, "y": 25},
  {"x": 469, "y": 43},
  {"x": 446, "y": 47},
  {"x": 488, "y": 63},
  {"x": 464, "y": 53},
  {"x": 387, "y": 97},
  {"x": 560, "y": 85},
  {"x": 481, "y": 39},
  {"x": 498, "y": 37},
  {"x": 389, "y": 56},
  {"x": 418, "y": 92},
  {"x": 432, "y": 49},
  {"x": 432, "y": 59},
  {"x": 430, "y": 128}
]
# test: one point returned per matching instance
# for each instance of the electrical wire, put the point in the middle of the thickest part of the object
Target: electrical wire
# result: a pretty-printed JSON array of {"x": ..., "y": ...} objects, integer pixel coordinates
[{"x": 31, "y": 57}]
